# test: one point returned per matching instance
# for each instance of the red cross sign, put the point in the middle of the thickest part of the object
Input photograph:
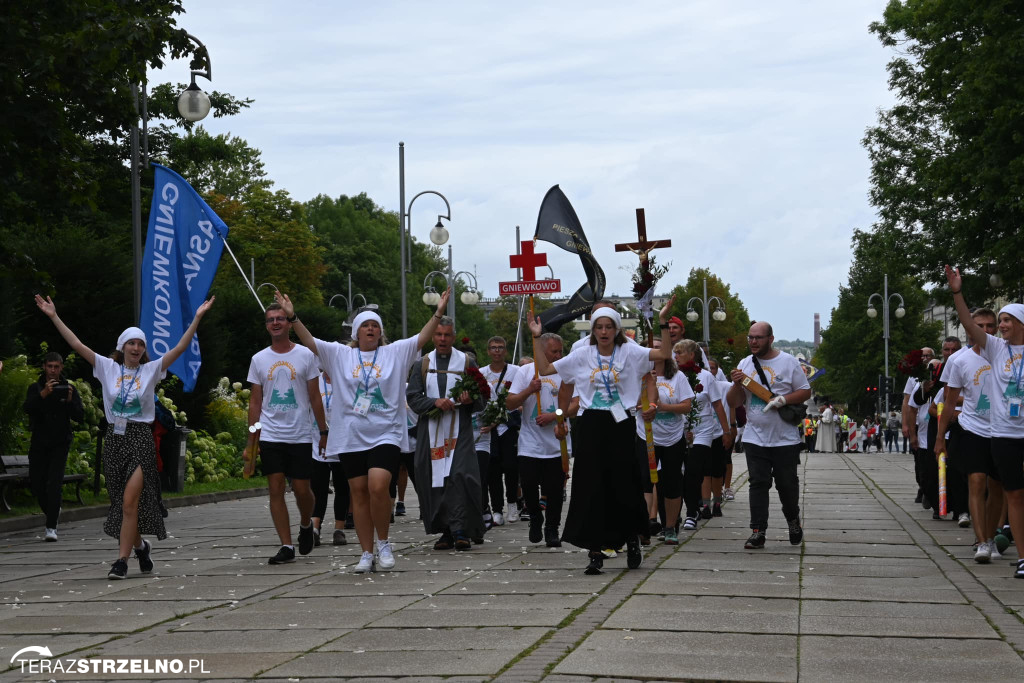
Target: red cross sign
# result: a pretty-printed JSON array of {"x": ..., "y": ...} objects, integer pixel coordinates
[{"x": 528, "y": 261}]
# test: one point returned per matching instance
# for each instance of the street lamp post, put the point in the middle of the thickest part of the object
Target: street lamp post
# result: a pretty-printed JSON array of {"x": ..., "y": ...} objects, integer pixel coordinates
[
  {"x": 873, "y": 312},
  {"x": 438, "y": 234},
  {"x": 705, "y": 302},
  {"x": 349, "y": 300},
  {"x": 193, "y": 105}
]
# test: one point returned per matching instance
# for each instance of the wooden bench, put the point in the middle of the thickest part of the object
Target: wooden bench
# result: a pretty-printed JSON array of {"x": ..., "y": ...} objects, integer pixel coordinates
[{"x": 14, "y": 472}]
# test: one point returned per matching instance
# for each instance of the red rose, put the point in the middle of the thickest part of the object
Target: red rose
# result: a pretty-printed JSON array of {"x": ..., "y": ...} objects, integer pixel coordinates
[{"x": 699, "y": 388}]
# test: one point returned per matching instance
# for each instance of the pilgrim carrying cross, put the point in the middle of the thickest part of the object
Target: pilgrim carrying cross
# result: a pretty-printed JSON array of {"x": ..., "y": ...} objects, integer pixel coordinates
[
  {"x": 642, "y": 248},
  {"x": 528, "y": 261}
]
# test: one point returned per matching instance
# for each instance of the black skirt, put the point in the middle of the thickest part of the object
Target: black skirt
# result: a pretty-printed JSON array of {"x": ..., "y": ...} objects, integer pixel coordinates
[
  {"x": 607, "y": 505},
  {"x": 122, "y": 454}
]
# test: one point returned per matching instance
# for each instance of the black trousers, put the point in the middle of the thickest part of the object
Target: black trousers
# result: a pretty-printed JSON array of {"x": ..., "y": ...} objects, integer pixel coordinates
[
  {"x": 542, "y": 476},
  {"x": 504, "y": 464},
  {"x": 404, "y": 459},
  {"x": 483, "y": 461},
  {"x": 320, "y": 482},
  {"x": 46, "y": 477},
  {"x": 697, "y": 464},
  {"x": 809, "y": 443},
  {"x": 778, "y": 463},
  {"x": 956, "y": 472}
]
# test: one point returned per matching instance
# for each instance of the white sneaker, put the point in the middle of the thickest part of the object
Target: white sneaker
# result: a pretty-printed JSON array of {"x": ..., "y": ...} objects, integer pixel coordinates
[
  {"x": 994, "y": 549},
  {"x": 964, "y": 520},
  {"x": 385, "y": 558},
  {"x": 983, "y": 555},
  {"x": 690, "y": 524},
  {"x": 497, "y": 519},
  {"x": 366, "y": 563},
  {"x": 729, "y": 494},
  {"x": 513, "y": 512},
  {"x": 51, "y": 535}
]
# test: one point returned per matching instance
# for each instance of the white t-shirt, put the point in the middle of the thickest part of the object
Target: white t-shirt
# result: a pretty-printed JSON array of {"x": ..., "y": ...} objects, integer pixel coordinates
[
  {"x": 492, "y": 378},
  {"x": 326, "y": 394},
  {"x": 668, "y": 428},
  {"x": 382, "y": 374},
  {"x": 910, "y": 386},
  {"x": 1007, "y": 382},
  {"x": 593, "y": 375},
  {"x": 921, "y": 421},
  {"x": 784, "y": 376},
  {"x": 128, "y": 392},
  {"x": 285, "y": 413},
  {"x": 534, "y": 441},
  {"x": 704, "y": 432},
  {"x": 972, "y": 375}
]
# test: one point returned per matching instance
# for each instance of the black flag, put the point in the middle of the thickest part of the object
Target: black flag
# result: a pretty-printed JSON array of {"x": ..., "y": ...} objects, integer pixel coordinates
[{"x": 557, "y": 223}]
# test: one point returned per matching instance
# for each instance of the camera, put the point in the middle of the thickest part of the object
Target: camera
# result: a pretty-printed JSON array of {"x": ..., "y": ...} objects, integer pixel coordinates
[{"x": 61, "y": 387}]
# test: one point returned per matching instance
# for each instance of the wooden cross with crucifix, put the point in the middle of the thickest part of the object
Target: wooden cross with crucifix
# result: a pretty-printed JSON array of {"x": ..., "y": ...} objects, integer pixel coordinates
[{"x": 642, "y": 248}]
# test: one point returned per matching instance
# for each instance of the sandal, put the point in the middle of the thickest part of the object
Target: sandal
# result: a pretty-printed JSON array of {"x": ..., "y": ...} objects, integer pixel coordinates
[{"x": 1019, "y": 574}]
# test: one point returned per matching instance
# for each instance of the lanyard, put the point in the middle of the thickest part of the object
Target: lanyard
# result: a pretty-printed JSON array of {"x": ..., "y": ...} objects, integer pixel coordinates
[
  {"x": 327, "y": 394},
  {"x": 1018, "y": 367},
  {"x": 606, "y": 375},
  {"x": 124, "y": 393},
  {"x": 366, "y": 373}
]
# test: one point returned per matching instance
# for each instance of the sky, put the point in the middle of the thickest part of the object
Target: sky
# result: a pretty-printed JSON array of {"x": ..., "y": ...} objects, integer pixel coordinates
[{"x": 735, "y": 125}]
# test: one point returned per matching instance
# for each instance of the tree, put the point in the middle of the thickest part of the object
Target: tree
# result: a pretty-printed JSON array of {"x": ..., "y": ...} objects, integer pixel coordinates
[
  {"x": 728, "y": 337},
  {"x": 851, "y": 351},
  {"x": 947, "y": 162}
]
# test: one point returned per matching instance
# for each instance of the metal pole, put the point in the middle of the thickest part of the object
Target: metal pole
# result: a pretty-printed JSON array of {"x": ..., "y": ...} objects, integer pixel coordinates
[
  {"x": 136, "y": 210},
  {"x": 451, "y": 284},
  {"x": 252, "y": 270},
  {"x": 401, "y": 231},
  {"x": 707, "y": 332},
  {"x": 885, "y": 335},
  {"x": 350, "y": 293}
]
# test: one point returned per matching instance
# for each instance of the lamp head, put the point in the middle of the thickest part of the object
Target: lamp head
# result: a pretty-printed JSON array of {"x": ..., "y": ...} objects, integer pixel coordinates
[
  {"x": 718, "y": 315},
  {"x": 469, "y": 297},
  {"x": 900, "y": 312},
  {"x": 431, "y": 297},
  {"x": 438, "y": 234},
  {"x": 995, "y": 280},
  {"x": 193, "y": 103},
  {"x": 872, "y": 312},
  {"x": 692, "y": 316}
]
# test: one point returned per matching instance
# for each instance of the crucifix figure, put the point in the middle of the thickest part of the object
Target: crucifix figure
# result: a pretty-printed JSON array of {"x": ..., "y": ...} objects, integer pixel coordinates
[{"x": 642, "y": 248}]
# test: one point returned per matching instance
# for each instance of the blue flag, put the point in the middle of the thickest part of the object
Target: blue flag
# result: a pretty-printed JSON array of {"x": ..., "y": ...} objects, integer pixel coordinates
[{"x": 183, "y": 248}]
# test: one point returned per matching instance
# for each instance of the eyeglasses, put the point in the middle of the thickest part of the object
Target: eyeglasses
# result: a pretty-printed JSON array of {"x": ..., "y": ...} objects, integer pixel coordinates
[
  {"x": 279, "y": 319},
  {"x": 755, "y": 337}
]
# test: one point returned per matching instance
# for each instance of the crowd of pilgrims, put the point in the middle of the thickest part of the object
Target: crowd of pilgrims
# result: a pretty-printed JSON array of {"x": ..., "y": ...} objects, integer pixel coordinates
[{"x": 650, "y": 429}]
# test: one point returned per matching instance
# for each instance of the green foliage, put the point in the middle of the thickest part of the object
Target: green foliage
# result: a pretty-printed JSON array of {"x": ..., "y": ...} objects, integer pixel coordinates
[
  {"x": 947, "y": 161},
  {"x": 15, "y": 379},
  {"x": 852, "y": 349},
  {"x": 728, "y": 338}
]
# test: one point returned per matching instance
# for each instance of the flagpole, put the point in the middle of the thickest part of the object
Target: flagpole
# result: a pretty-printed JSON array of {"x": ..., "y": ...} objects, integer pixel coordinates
[{"x": 247, "y": 283}]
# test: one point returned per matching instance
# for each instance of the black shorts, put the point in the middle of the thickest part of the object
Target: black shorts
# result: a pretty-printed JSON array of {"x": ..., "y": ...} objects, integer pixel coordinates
[
  {"x": 293, "y": 460},
  {"x": 1008, "y": 455},
  {"x": 974, "y": 454},
  {"x": 719, "y": 459},
  {"x": 359, "y": 463}
]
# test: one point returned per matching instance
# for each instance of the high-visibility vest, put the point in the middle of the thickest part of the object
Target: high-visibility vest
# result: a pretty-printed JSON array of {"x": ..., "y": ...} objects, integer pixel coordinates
[{"x": 808, "y": 426}]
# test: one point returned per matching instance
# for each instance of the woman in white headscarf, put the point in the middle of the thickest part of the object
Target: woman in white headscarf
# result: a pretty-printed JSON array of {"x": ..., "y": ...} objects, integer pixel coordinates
[
  {"x": 607, "y": 506},
  {"x": 368, "y": 417},
  {"x": 128, "y": 379}
]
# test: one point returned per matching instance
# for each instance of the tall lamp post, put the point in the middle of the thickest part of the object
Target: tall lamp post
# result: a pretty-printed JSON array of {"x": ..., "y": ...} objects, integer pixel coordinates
[
  {"x": 438, "y": 234},
  {"x": 885, "y": 296},
  {"x": 705, "y": 303},
  {"x": 349, "y": 300}
]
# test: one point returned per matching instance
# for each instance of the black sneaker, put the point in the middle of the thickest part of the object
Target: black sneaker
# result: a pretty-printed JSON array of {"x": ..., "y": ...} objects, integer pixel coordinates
[
  {"x": 633, "y": 555},
  {"x": 716, "y": 510},
  {"x": 524, "y": 513},
  {"x": 284, "y": 556},
  {"x": 399, "y": 509},
  {"x": 142, "y": 555},
  {"x": 536, "y": 530},
  {"x": 705, "y": 512},
  {"x": 349, "y": 522},
  {"x": 119, "y": 570},
  {"x": 551, "y": 539},
  {"x": 796, "y": 532},
  {"x": 920, "y": 495},
  {"x": 316, "y": 537},
  {"x": 1019, "y": 574},
  {"x": 596, "y": 563},
  {"x": 305, "y": 539},
  {"x": 756, "y": 540},
  {"x": 653, "y": 527}
]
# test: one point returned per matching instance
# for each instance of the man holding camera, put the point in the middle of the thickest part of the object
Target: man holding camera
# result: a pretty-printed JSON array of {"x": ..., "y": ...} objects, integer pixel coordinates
[{"x": 51, "y": 403}]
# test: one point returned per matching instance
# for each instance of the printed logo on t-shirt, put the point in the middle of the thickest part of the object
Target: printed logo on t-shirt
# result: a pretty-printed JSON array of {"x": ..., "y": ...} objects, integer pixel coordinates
[
  {"x": 282, "y": 392},
  {"x": 553, "y": 387},
  {"x": 126, "y": 402},
  {"x": 601, "y": 397},
  {"x": 377, "y": 402},
  {"x": 757, "y": 401},
  {"x": 983, "y": 407}
]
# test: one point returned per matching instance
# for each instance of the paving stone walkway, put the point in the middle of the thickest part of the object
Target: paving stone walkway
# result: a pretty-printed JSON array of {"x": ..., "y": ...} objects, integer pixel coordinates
[{"x": 877, "y": 590}]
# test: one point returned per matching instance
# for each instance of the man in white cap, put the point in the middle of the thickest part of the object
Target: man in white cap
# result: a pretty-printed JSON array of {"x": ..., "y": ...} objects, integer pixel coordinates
[{"x": 285, "y": 384}]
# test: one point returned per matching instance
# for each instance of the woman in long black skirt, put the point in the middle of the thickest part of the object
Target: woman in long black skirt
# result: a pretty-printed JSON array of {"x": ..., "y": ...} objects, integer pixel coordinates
[
  {"x": 128, "y": 379},
  {"x": 607, "y": 507}
]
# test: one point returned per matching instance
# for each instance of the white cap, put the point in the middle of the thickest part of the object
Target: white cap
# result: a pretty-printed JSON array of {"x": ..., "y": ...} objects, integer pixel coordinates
[
  {"x": 605, "y": 312},
  {"x": 128, "y": 335}
]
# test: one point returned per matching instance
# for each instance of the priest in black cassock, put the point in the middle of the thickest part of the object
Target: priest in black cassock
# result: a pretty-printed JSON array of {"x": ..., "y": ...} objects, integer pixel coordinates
[{"x": 447, "y": 475}]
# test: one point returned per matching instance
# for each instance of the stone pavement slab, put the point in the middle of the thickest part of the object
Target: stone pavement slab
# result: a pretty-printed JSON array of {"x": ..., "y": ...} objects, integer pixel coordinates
[
  {"x": 728, "y": 583},
  {"x": 707, "y": 614}
]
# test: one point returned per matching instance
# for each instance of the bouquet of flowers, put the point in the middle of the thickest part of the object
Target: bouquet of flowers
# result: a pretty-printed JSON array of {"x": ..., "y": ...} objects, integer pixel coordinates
[
  {"x": 913, "y": 365},
  {"x": 692, "y": 372},
  {"x": 471, "y": 382},
  {"x": 495, "y": 411}
]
